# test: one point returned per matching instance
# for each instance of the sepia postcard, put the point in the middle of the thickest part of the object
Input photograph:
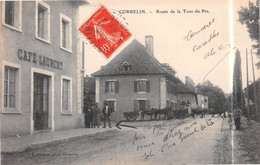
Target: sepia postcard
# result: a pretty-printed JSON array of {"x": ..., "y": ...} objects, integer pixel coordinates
[{"x": 129, "y": 82}]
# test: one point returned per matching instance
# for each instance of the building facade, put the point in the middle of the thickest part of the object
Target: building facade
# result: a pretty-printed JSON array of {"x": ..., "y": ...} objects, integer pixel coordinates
[
  {"x": 135, "y": 81},
  {"x": 190, "y": 95},
  {"x": 41, "y": 70}
]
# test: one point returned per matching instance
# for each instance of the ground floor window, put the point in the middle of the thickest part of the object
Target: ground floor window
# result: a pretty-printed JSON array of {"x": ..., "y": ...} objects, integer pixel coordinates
[
  {"x": 11, "y": 87},
  {"x": 66, "y": 89},
  {"x": 111, "y": 104},
  {"x": 141, "y": 105}
]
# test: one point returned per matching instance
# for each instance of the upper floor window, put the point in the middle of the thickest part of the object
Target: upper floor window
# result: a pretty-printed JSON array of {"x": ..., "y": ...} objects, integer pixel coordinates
[
  {"x": 43, "y": 21},
  {"x": 126, "y": 66},
  {"x": 142, "y": 86},
  {"x": 65, "y": 32},
  {"x": 112, "y": 86},
  {"x": 12, "y": 14}
]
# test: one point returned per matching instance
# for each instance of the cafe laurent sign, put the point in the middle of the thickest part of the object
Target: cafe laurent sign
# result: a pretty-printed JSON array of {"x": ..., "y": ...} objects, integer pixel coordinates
[{"x": 42, "y": 60}]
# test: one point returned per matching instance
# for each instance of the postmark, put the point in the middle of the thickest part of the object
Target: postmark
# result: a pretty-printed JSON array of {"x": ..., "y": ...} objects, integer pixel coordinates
[{"x": 105, "y": 31}]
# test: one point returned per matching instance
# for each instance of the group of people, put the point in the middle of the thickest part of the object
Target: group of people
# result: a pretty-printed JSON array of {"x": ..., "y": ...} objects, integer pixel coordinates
[
  {"x": 93, "y": 116},
  {"x": 237, "y": 116}
]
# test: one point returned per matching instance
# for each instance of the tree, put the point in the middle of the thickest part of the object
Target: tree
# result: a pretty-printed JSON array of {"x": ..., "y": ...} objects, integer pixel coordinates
[
  {"x": 217, "y": 99},
  {"x": 237, "y": 81},
  {"x": 250, "y": 17}
]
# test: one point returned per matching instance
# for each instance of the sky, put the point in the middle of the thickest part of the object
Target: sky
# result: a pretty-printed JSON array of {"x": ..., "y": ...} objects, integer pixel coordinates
[{"x": 169, "y": 31}]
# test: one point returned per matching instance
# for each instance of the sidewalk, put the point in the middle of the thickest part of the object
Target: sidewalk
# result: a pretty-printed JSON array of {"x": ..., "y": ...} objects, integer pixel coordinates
[{"x": 21, "y": 143}]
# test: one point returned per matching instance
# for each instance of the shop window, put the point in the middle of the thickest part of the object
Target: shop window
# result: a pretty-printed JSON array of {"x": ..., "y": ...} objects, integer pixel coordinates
[
  {"x": 12, "y": 14},
  {"x": 65, "y": 32}
]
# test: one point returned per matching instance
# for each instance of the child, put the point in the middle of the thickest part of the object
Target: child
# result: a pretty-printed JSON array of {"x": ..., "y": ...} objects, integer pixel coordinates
[{"x": 230, "y": 121}]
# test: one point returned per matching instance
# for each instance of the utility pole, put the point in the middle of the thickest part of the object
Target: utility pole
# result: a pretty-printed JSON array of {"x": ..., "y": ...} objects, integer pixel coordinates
[
  {"x": 254, "y": 82},
  {"x": 247, "y": 83}
]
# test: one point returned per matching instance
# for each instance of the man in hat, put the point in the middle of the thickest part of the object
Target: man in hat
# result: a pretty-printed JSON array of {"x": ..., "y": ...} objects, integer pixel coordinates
[{"x": 107, "y": 113}]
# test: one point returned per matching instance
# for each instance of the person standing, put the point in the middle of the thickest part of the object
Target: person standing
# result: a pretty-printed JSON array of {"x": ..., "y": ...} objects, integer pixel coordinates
[
  {"x": 237, "y": 115},
  {"x": 95, "y": 115},
  {"x": 98, "y": 115},
  {"x": 230, "y": 121},
  {"x": 107, "y": 112}
]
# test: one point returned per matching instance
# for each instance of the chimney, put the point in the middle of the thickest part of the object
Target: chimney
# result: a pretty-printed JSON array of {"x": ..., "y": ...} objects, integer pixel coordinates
[{"x": 149, "y": 44}]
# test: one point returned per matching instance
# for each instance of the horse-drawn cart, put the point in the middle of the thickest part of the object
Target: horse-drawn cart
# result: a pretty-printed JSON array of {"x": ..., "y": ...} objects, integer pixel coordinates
[
  {"x": 131, "y": 116},
  {"x": 166, "y": 112}
]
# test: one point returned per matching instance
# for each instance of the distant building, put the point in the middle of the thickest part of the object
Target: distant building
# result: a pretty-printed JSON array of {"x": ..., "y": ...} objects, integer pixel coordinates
[
  {"x": 189, "y": 94},
  {"x": 135, "y": 81},
  {"x": 41, "y": 70}
]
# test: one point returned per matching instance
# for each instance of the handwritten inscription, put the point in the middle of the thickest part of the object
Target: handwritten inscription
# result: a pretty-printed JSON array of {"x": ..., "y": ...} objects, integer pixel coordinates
[
  {"x": 212, "y": 50},
  {"x": 203, "y": 44},
  {"x": 192, "y": 34},
  {"x": 137, "y": 138},
  {"x": 160, "y": 138}
]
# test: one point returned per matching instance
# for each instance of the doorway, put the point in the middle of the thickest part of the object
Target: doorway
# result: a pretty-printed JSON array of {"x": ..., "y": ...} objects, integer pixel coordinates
[{"x": 41, "y": 101}]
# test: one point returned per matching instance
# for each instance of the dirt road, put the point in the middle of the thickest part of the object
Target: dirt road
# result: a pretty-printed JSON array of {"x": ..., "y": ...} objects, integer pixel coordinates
[{"x": 164, "y": 142}]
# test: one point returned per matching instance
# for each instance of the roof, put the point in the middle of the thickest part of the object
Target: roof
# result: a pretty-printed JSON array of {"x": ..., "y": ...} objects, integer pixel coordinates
[
  {"x": 139, "y": 59},
  {"x": 78, "y": 2},
  {"x": 182, "y": 88}
]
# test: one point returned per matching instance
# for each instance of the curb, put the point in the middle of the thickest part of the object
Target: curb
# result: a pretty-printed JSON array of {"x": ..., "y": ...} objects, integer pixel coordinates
[{"x": 56, "y": 141}]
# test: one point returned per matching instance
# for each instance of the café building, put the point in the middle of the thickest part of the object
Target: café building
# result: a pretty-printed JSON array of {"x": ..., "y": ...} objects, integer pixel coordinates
[{"x": 42, "y": 68}]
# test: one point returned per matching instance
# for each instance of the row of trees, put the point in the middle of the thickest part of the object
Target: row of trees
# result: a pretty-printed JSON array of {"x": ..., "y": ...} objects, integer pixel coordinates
[{"x": 217, "y": 98}]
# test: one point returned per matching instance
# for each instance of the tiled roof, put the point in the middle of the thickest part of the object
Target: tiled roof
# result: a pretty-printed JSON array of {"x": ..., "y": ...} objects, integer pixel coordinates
[{"x": 140, "y": 61}]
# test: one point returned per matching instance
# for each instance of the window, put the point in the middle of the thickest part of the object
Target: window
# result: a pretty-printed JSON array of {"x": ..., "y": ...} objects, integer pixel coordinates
[
  {"x": 126, "y": 66},
  {"x": 112, "y": 86},
  {"x": 65, "y": 32},
  {"x": 142, "y": 86},
  {"x": 43, "y": 21},
  {"x": 12, "y": 14},
  {"x": 9, "y": 92},
  {"x": 66, "y": 95},
  {"x": 111, "y": 104},
  {"x": 141, "y": 104},
  {"x": 11, "y": 86}
]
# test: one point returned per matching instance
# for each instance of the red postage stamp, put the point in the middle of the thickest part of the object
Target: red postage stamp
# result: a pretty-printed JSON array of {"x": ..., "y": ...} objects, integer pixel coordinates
[{"x": 104, "y": 31}]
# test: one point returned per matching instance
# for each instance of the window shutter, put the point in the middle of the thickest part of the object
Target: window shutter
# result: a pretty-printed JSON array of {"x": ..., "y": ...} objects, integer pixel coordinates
[
  {"x": 135, "y": 86},
  {"x": 117, "y": 86},
  {"x": 106, "y": 87},
  {"x": 147, "y": 105},
  {"x": 148, "y": 86},
  {"x": 135, "y": 105}
]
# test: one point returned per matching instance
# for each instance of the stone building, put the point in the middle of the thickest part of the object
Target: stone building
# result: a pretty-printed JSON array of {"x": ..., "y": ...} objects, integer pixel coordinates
[
  {"x": 41, "y": 70},
  {"x": 135, "y": 81}
]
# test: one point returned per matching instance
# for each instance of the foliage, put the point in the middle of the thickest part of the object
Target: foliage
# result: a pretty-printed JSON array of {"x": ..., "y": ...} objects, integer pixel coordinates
[
  {"x": 217, "y": 99},
  {"x": 250, "y": 17},
  {"x": 237, "y": 81}
]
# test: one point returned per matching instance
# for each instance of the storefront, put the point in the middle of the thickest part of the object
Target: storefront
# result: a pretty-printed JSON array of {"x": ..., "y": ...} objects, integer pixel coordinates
[{"x": 41, "y": 69}]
